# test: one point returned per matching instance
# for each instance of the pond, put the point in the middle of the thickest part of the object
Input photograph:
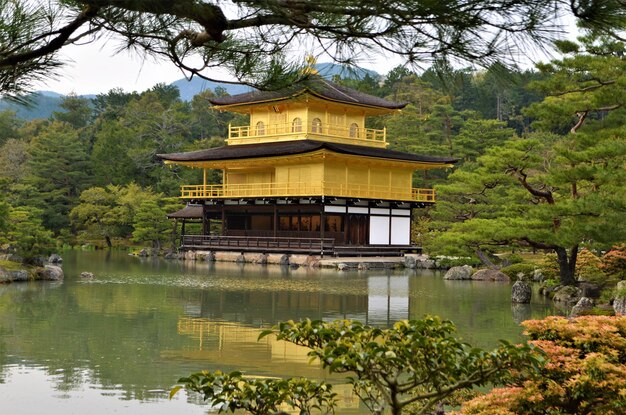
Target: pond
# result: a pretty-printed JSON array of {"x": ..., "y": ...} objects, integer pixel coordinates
[{"x": 118, "y": 343}]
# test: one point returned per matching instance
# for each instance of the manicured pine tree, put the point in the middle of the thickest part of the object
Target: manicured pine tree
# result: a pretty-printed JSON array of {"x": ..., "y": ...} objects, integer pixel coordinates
[
  {"x": 547, "y": 191},
  {"x": 151, "y": 224}
]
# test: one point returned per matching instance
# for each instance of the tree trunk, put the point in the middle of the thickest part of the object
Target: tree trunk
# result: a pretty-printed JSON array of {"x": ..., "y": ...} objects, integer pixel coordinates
[
  {"x": 567, "y": 264},
  {"x": 107, "y": 238},
  {"x": 485, "y": 259}
]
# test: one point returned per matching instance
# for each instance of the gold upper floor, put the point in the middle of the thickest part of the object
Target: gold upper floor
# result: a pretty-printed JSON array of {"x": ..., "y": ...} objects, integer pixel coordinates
[
  {"x": 321, "y": 173},
  {"x": 307, "y": 117}
]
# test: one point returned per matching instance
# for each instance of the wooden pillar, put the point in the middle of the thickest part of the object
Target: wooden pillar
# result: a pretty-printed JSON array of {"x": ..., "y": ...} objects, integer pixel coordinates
[
  {"x": 275, "y": 220},
  {"x": 223, "y": 219},
  {"x": 174, "y": 234},
  {"x": 322, "y": 226}
]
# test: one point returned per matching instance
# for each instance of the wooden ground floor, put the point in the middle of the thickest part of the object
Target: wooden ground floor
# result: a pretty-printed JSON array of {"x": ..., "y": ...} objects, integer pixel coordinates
[{"x": 320, "y": 226}]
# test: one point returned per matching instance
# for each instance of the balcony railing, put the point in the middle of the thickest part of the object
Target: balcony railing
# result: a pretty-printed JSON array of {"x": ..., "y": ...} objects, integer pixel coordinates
[
  {"x": 305, "y": 189},
  {"x": 290, "y": 131}
]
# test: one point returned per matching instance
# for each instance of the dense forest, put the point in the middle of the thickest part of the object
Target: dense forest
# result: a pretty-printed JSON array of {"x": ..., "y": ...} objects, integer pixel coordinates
[{"x": 90, "y": 173}]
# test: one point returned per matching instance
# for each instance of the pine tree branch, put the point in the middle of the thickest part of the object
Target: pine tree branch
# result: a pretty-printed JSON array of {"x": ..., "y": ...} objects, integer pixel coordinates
[{"x": 55, "y": 44}]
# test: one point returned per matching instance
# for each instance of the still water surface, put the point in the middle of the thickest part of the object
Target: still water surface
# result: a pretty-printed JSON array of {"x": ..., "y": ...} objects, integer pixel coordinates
[{"x": 117, "y": 343}]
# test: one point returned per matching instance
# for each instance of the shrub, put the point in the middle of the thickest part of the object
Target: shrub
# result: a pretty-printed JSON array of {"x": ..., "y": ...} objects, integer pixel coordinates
[
  {"x": 512, "y": 259},
  {"x": 585, "y": 372},
  {"x": 415, "y": 365},
  {"x": 513, "y": 270},
  {"x": 449, "y": 262},
  {"x": 614, "y": 262},
  {"x": 588, "y": 267},
  {"x": 549, "y": 267}
]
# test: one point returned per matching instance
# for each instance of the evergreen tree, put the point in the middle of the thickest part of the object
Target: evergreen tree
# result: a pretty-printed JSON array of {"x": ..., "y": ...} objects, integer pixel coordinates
[
  {"x": 26, "y": 233},
  {"x": 96, "y": 213},
  {"x": 548, "y": 191},
  {"x": 151, "y": 224},
  {"x": 9, "y": 126},
  {"x": 77, "y": 111},
  {"x": 59, "y": 170}
]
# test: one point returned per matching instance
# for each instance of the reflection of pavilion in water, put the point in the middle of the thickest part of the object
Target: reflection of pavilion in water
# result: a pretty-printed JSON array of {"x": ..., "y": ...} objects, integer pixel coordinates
[
  {"x": 233, "y": 346},
  {"x": 225, "y": 325},
  {"x": 384, "y": 300}
]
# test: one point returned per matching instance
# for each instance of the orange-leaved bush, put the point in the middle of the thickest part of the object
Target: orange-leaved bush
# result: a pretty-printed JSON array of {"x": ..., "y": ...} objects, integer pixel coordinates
[
  {"x": 614, "y": 262},
  {"x": 585, "y": 372}
]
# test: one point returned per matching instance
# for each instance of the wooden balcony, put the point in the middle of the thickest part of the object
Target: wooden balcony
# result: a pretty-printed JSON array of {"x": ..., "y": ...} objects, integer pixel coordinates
[
  {"x": 288, "y": 132},
  {"x": 269, "y": 244},
  {"x": 306, "y": 189},
  {"x": 259, "y": 244}
]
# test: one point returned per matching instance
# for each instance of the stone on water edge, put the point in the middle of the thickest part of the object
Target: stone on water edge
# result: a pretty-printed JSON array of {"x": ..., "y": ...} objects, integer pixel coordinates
[
  {"x": 582, "y": 307},
  {"x": 55, "y": 259},
  {"x": 521, "y": 292},
  {"x": 619, "y": 304},
  {"x": 459, "y": 273},
  {"x": 567, "y": 294},
  {"x": 86, "y": 275},
  {"x": 50, "y": 273},
  {"x": 490, "y": 275},
  {"x": 410, "y": 262}
]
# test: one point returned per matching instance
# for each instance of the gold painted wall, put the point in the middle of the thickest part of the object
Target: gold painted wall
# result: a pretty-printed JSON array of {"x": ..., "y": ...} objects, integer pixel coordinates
[
  {"x": 360, "y": 174},
  {"x": 239, "y": 176},
  {"x": 330, "y": 114}
]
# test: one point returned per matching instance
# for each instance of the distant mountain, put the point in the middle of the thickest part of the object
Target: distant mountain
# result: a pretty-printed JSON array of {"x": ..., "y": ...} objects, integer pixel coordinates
[
  {"x": 188, "y": 89},
  {"x": 41, "y": 105},
  {"x": 44, "y": 103},
  {"x": 328, "y": 70}
]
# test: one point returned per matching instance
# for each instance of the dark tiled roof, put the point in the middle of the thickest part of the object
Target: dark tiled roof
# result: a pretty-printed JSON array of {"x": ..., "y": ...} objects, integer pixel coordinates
[
  {"x": 235, "y": 152},
  {"x": 317, "y": 86},
  {"x": 188, "y": 212}
]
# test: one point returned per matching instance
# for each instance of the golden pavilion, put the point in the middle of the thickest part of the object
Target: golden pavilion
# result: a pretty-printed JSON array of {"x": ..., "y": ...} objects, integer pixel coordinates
[{"x": 306, "y": 176}]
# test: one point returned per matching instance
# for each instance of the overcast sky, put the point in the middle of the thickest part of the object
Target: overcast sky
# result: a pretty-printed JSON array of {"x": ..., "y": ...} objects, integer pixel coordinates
[{"x": 96, "y": 68}]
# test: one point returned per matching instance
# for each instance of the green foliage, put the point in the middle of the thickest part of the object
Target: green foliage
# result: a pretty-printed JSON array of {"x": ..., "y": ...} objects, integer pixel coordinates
[
  {"x": 513, "y": 258},
  {"x": 416, "y": 363},
  {"x": 546, "y": 191},
  {"x": 4, "y": 215},
  {"x": 13, "y": 160},
  {"x": 26, "y": 233},
  {"x": 585, "y": 372},
  {"x": 77, "y": 111},
  {"x": 549, "y": 266},
  {"x": 588, "y": 267},
  {"x": 514, "y": 270},
  {"x": 9, "y": 125},
  {"x": 151, "y": 224},
  {"x": 234, "y": 391},
  {"x": 449, "y": 262},
  {"x": 58, "y": 170},
  {"x": 96, "y": 213}
]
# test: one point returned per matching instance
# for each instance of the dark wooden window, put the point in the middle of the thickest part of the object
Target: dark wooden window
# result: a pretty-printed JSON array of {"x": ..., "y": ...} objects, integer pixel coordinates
[{"x": 334, "y": 223}]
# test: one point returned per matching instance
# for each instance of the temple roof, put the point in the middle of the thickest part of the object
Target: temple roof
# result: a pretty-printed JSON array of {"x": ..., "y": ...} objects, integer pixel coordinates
[
  {"x": 287, "y": 148},
  {"x": 317, "y": 86},
  {"x": 188, "y": 212}
]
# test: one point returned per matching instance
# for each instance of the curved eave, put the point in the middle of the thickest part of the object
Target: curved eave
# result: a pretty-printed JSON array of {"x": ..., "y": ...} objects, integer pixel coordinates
[
  {"x": 319, "y": 154},
  {"x": 244, "y": 107}
]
